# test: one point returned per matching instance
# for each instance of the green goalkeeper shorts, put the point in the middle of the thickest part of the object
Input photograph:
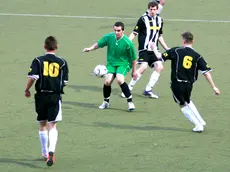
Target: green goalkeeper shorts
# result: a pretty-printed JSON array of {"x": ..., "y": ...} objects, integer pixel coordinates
[{"x": 122, "y": 69}]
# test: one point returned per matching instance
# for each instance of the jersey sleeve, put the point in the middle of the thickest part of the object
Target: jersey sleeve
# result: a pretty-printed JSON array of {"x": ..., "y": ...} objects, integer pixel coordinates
[
  {"x": 161, "y": 29},
  {"x": 34, "y": 70},
  {"x": 169, "y": 54},
  {"x": 66, "y": 73},
  {"x": 139, "y": 26},
  {"x": 202, "y": 66},
  {"x": 103, "y": 41}
]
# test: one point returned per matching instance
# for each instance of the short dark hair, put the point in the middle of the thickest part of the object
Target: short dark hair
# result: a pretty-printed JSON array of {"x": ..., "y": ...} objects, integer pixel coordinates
[
  {"x": 120, "y": 24},
  {"x": 153, "y": 4},
  {"x": 51, "y": 43},
  {"x": 188, "y": 37}
]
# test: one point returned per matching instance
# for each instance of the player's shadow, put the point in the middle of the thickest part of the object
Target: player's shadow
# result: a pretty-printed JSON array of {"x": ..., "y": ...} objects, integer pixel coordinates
[
  {"x": 132, "y": 127},
  {"x": 80, "y": 104},
  {"x": 78, "y": 88},
  {"x": 23, "y": 162}
]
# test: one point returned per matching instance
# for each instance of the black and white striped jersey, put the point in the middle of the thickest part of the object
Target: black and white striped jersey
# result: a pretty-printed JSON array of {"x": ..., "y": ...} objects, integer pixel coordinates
[
  {"x": 148, "y": 29},
  {"x": 50, "y": 73},
  {"x": 185, "y": 64}
]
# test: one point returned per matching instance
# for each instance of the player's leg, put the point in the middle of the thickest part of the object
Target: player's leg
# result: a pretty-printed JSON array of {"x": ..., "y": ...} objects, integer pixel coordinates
[
  {"x": 179, "y": 92},
  {"x": 190, "y": 104},
  {"x": 42, "y": 119},
  {"x": 54, "y": 116},
  {"x": 120, "y": 77},
  {"x": 158, "y": 67},
  {"x": 107, "y": 86},
  {"x": 143, "y": 66}
]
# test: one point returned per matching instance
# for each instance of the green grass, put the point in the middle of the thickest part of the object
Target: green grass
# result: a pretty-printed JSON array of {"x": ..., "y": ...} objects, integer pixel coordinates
[{"x": 156, "y": 137}]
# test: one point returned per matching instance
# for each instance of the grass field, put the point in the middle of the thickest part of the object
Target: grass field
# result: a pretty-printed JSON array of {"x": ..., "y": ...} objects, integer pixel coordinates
[{"x": 154, "y": 138}]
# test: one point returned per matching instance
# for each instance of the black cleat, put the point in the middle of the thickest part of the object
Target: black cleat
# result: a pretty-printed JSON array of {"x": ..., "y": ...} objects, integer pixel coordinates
[{"x": 50, "y": 160}]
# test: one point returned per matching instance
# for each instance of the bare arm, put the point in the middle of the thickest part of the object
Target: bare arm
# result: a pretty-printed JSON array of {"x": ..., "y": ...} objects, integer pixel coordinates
[
  {"x": 208, "y": 76},
  {"x": 28, "y": 86},
  {"x": 93, "y": 47},
  {"x": 162, "y": 42},
  {"x": 132, "y": 36}
]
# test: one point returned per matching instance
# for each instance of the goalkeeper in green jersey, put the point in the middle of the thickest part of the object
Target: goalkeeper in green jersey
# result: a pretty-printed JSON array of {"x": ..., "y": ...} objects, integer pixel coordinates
[{"x": 121, "y": 58}]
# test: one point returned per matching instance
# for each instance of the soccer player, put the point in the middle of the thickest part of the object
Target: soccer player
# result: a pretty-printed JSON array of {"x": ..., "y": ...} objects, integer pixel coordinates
[
  {"x": 185, "y": 64},
  {"x": 51, "y": 74},
  {"x": 121, "y": 57},
  {"x": 149, "y": 28}
]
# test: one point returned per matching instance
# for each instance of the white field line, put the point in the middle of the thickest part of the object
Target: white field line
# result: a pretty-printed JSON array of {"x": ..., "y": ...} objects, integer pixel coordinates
[{"x": 110, "y": 18}]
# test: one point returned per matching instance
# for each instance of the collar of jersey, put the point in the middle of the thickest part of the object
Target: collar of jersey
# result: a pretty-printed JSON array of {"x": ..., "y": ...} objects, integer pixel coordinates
[{"x": 50, "y": 53}]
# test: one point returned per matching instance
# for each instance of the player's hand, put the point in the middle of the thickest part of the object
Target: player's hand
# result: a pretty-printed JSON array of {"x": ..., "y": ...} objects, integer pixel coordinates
[
  {"x": 27, "y": 93},
  {"x": 134, "y": 75},
  {"x": 216, "y": 90},
  {"x": 86, "y": 50},
  {"x": 152, "y": 45}
]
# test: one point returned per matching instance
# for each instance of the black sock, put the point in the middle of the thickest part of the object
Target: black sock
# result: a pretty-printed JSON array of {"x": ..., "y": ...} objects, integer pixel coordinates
[
  {"x": 126, "y": 91},
  {"x": 106, "y": 92}
]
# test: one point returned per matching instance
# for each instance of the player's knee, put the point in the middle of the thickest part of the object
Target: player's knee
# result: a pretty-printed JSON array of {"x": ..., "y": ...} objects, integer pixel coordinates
[
  {"x": 120, "y": 79},
  {"x": 142, "y": 68},
  {"x": 158, "y": 67},
  {"x": 43, "y": 125}
]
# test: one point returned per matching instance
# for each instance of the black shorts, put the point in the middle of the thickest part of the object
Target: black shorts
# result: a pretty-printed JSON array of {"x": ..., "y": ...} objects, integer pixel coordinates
[
  {"x": 181, "y": 92},
  {"x": 147, "y": 56},
  {"x": 48, "y": 107}
]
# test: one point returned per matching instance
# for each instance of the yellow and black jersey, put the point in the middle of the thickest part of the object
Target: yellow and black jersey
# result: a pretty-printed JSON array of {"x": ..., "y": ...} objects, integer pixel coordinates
[{"x": 50, "y": 73}]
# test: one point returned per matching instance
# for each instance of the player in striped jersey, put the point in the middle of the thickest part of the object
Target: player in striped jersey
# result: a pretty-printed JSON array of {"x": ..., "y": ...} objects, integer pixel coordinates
[{"x": 149, "y": 28}]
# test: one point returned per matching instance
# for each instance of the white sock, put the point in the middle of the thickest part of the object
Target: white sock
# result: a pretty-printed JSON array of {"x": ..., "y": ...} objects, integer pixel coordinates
[
  {"x": 53, "y": 137},
  {"x": 190, "y": 115},
  {"x": 160, "y": 8},
  {"x": 43, "y": 135},
  {"x": 152, "y": 81},
  {"x": 133, "y": 82},
  {"x": 196, "y": 113}
]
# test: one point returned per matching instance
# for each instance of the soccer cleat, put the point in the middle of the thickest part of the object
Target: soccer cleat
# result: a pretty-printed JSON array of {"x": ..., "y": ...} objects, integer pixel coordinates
[
  {"x": 198, "y": 129},
  {"x": 150, "y": 94},
  {"x": 50, "y": 160},
  {"x": 131, "y": 106},
  {"x": 104, "y": 105}
]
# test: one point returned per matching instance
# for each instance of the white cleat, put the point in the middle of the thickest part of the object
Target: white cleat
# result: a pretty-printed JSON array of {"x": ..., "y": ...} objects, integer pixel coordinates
[
  {"x": 150, "y": 94},
  {"x": 104, "y": 105},
  {"x": 198, "y": 129},
  {"x": 131, "y": 106}
]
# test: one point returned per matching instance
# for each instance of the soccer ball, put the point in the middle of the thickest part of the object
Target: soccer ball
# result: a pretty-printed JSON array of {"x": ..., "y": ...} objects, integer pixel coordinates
[{"x": 100, "y": 71}]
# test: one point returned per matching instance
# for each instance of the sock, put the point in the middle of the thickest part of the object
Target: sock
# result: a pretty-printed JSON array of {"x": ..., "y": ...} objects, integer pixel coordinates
[
  {"x": 160, "y": 8},
  {"x": 189, "y": 114},
  {"x": 196, "y": 113},
  {"x": 53, "y": 137},
  {"x": 43, "y": 135},
  {"x": 106, "y": 92},
  {"x": 133, "y": 82},
  {"x": 152, "y": 81},
  {"x": 125, "y": 89}
]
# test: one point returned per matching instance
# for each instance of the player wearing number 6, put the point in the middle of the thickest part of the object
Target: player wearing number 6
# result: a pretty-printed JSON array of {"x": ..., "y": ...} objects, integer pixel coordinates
[
  {"x": 185, "y": 64},
  {"x": 51, "y": 74}
]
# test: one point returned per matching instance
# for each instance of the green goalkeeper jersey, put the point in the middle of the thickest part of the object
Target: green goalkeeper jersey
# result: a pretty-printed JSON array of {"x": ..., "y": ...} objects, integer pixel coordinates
[{"x": 119, "y": 52}]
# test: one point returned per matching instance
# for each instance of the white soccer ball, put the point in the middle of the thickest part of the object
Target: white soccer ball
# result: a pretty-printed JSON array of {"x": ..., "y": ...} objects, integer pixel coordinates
[{"x": 100, "y": 71}]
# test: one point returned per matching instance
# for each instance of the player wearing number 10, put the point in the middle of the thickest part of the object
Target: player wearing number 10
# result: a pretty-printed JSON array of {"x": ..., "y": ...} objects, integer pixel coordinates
[
  {"x": 185, "y": 64},
  {"x": 51, "y": 75}
]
